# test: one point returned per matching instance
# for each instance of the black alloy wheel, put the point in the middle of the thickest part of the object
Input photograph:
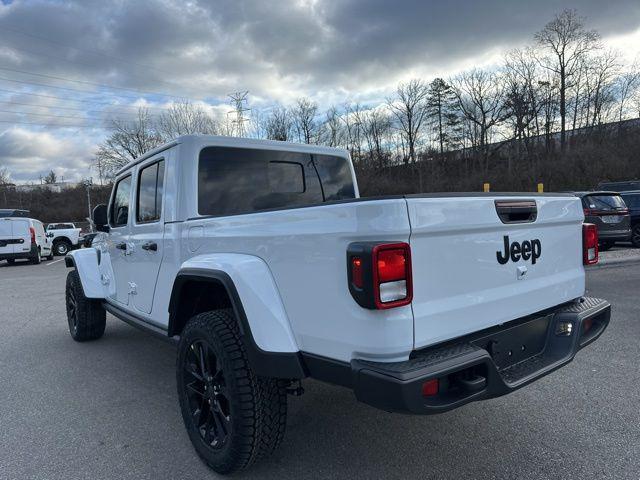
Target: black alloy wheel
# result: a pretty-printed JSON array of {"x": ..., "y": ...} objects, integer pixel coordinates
[
  {"x": 72, "y": 312},
  {"x": 207, "y": 394}
]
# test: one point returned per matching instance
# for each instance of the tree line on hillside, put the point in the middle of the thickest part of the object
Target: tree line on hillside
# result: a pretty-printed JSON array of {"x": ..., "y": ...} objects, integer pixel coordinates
[{"x": 68, "y": 205}]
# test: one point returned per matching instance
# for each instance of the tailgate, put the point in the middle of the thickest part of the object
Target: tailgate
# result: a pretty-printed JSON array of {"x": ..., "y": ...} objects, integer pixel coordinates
[{"x": 463, "y": 279}]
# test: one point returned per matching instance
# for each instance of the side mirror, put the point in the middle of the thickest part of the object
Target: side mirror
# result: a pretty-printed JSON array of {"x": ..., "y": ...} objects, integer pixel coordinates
[
  {"x": 99, "y": 217},
  {"x": 50, "y": 234}
]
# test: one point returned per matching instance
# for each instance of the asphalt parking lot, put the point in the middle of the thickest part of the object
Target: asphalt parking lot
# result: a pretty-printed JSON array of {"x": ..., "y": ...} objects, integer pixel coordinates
[{"x": 108, "y": 409}]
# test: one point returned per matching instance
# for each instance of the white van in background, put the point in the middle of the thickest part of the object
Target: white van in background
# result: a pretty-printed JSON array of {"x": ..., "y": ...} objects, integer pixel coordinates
[{"x": 23, "y": 238}]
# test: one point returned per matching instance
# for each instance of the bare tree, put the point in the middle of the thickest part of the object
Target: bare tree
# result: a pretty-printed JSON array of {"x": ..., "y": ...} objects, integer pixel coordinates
[
  {"x": 409, "y": 107},
  {"x": 185, "y": 118},
  {"x": 602, "y": 72},
  {"x": 50, "y": 178},
  {"x": 305, "y": 123},
  {"x": 352, "y": 120},
  {"x": 333, "y": 134},
  {"x": 127, "y": 141},
  {"x": 568, "y": 41},
  {"x": 277, "y": 124},
  {"x": 628, "y": 83},
  {"x": 376, "y": 126},
  {"x": 480, "y": 95}
]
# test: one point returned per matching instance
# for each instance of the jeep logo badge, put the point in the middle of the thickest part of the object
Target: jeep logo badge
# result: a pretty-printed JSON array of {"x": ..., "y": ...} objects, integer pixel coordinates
[{"x": 515, "y": 251}]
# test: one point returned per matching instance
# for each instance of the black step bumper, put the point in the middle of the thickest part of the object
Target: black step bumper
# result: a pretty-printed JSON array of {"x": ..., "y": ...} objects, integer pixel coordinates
[{"x": 487, "y": 364}]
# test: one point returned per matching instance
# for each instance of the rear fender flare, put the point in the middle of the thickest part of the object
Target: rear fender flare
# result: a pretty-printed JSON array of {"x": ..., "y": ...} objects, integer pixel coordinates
[{"x": 263, "y": 322}]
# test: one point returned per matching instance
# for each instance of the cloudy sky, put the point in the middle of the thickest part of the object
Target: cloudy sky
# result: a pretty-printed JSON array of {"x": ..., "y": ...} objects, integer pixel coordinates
[{"x": 66, "y": 67}]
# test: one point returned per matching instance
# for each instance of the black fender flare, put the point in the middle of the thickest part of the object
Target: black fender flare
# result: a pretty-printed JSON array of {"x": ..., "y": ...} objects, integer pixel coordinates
[{"x": 288, "y": 365}]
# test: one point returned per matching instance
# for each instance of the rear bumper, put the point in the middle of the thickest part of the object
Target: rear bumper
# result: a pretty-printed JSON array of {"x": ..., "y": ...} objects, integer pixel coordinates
[
  {"x": 485, "y": 365},
  {"x": 20, "y": 255}
]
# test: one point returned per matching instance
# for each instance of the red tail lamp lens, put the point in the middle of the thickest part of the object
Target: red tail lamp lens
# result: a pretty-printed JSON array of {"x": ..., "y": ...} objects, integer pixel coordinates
[
  {"x": 392, "y": 265},
  {"x": 33, "y": 234},
  {"x": 356, "y": 272},
  {"x": 430, "y": 388},
  {"x": 589, "y": 244}
]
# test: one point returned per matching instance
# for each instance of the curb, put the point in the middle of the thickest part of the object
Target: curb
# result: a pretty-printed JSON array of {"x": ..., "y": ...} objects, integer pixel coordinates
[{"x": 615, "y": 262}]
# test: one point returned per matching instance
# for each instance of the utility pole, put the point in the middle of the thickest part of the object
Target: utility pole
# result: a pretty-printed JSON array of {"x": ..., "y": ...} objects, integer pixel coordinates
[
  {"x": 88, "y": 183},
  {"x": 239, "y": 101}
]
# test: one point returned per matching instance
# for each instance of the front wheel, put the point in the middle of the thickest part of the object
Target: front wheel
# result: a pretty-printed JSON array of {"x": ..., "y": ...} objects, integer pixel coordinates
[
  {"x": 635, "y": 236},
  {"x": 87, "y": 318},
  {"x": 232, "y": 416}
]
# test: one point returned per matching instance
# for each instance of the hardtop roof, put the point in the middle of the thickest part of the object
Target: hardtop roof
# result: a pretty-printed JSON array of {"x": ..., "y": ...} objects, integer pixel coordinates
[{"x": 235, "y": 142}]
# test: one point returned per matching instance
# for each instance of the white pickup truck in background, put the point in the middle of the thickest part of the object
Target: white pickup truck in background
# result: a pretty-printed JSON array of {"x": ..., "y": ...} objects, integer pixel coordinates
[
  {"x": 64, "y": 237},
  {"x": 263, "y": 264}
]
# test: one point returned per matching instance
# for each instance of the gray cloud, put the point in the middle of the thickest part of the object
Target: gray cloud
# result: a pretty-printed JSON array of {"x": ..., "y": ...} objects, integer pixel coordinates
[{"x": 277, "y": 49}]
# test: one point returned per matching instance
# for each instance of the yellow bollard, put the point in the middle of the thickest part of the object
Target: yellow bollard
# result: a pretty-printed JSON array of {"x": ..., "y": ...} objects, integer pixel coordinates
[
  {"x": 541, "y": 188},
  {"x": 486, "y": 187}
]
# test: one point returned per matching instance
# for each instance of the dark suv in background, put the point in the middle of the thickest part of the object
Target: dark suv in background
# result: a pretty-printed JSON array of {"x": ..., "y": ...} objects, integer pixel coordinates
[
  {"x": 632, "y": 199},
  {"x": 609, "y": 212}
]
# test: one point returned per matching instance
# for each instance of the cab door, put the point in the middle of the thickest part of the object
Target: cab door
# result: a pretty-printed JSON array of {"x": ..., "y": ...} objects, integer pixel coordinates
[
  {"x": 118, "y": 245},
  {"x": 147, "y": 232}
]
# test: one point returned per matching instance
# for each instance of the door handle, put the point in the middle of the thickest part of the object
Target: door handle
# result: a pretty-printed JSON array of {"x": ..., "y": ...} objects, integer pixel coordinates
[
  {"x": 153, "y": 246},
  {"x": 121, "y": 246}
]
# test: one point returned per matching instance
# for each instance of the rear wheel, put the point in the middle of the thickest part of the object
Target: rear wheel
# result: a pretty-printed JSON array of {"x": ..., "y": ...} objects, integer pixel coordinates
[
  {"x": 87, "y": 318},
  {"x": 635, "y": 236},
  {"x": 36, "y": 259},
  {"x": 61, "y": 247},
  {"x": 10, "y": 261},
  {"x": 232, "y": 416}
]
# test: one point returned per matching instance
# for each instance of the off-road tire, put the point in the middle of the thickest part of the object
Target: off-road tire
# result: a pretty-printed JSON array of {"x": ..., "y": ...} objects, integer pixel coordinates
[
  {"x": 635, "y": 236},
  {"x": 257, "y": 405},
  {"x": 87, "y": 318},
  {"x": 36, "y": 259},
  {"x": 61, "y": 247}
]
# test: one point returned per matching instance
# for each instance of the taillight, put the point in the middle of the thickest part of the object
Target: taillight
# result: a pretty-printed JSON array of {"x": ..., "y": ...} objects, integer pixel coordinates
[
  {"x": 32, "y": 231},
  {"x": 589, "y": 244},
  {"x": 392, "y": 275},
  {"x": 380, "y": 274},
  {"x": 356, "y": 272}
]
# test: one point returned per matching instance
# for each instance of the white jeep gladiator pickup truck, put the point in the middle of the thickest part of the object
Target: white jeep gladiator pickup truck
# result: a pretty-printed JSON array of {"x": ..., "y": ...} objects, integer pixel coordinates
[{"x": 261, "y": 262}]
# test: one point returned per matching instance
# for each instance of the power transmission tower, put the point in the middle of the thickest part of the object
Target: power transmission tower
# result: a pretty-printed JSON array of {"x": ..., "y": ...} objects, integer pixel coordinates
[{"x": 239, "y": 101}]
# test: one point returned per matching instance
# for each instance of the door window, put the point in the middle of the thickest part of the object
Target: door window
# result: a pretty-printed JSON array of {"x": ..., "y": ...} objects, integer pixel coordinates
[
  {"x": 149, "y": 197},
  {"x": 120, "y": 203}
]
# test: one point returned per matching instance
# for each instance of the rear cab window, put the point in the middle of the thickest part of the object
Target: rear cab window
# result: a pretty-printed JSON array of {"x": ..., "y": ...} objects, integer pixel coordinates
[{"x": 234, "y": 181}]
